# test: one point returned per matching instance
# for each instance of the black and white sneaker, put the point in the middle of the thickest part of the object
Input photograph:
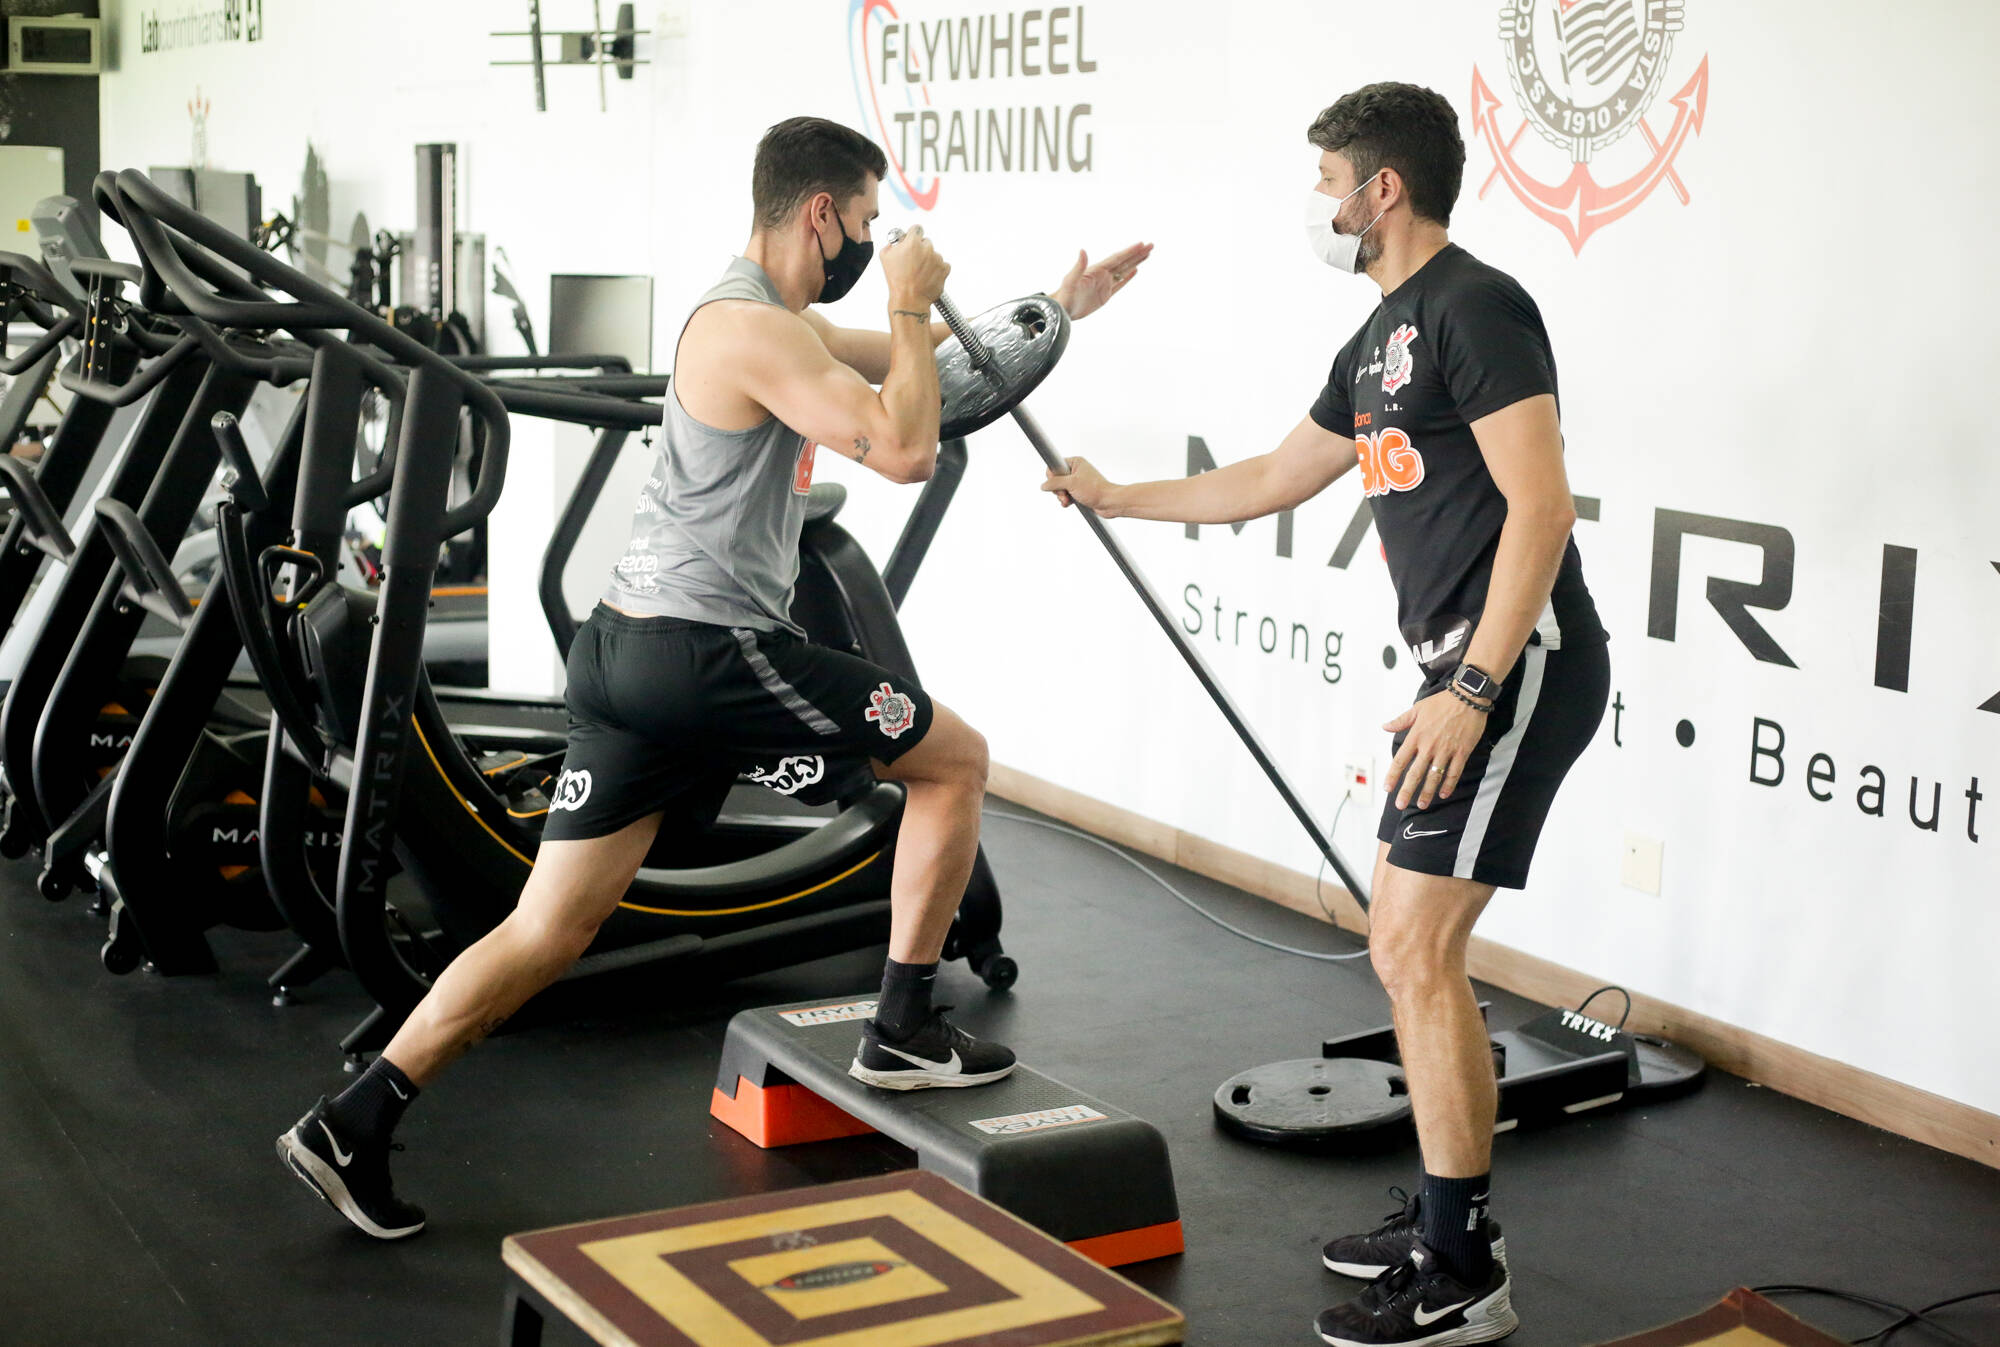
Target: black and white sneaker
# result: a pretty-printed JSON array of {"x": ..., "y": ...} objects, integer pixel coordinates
[
  {"x": 354, "y": 1182},
  {"x": 1369, "y": 1256},
  {"x": 1418, "y": 1304},
  {"x": 940, "y": 1054}
]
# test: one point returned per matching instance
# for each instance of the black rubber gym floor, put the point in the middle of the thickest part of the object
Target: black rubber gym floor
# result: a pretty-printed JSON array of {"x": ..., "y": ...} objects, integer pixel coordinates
[{"x": 141, "y": 1202}]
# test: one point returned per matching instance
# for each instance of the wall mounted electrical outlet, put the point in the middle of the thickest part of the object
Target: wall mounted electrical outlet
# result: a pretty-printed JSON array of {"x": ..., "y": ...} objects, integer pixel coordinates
[{"x": 1641, "y": 869}]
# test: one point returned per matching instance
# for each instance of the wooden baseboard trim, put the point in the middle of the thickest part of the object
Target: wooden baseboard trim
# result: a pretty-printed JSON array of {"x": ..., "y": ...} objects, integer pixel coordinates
[{"x": 1903, "y": 1109}]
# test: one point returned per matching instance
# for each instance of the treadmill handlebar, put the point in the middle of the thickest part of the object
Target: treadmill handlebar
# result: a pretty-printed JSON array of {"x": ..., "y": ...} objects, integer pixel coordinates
[
  {"x": 613, "y": 364},
  {"x": 63, "y": 326},
  {"x": 31, "y": 289},
  {"x": 38, "y": 284},
  {"x": 96, "y": 267},
  {"x": 140, "y": 384},
  {"x": 148, "y": 214},
  {"x": 581, "y": 408}
]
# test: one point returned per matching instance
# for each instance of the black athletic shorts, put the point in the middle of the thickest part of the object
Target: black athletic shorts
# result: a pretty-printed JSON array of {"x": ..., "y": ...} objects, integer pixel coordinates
[
  {"x": 664, "y": 714},
  {"x": 1546, "y": 714}
]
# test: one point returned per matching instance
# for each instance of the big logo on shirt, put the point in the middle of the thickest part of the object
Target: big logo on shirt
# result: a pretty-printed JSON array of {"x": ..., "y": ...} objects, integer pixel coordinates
[{"x": 1389, "y": 462}]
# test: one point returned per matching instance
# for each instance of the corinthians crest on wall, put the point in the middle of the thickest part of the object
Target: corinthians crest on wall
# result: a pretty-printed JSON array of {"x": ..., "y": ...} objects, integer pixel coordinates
[{"x": 1586, "y": 76}]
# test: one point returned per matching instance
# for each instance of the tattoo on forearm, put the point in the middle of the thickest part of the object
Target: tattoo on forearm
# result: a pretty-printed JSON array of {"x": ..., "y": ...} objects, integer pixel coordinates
[
  {"x": 910, "y": 313},
  {"x": 861, "y": 448},
  {"x": 488, "y": 1028}
]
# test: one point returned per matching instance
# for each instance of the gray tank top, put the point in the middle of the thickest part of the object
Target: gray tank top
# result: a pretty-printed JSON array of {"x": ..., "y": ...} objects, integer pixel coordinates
[{"x": 715, "y": 534}]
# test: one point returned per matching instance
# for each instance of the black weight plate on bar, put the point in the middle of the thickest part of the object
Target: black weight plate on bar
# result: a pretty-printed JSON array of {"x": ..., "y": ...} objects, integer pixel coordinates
[
  {"x": 1315, "y": 1102},
  {"x": 1025, "y": 338}
]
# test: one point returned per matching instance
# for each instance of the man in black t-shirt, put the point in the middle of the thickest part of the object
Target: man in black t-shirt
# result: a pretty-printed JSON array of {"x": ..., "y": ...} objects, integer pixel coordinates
[{"x": 1446, "y": 401}]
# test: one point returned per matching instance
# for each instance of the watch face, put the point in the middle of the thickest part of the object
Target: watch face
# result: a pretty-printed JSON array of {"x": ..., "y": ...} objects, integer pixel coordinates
[{"x": 1473, "y": 681}]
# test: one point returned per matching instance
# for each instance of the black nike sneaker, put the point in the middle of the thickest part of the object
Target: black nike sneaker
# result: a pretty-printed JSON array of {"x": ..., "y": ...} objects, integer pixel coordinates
[
  {"x": 940, "y": 1054},
  {"x": 1372, "y": 1254},
  {"x": 354, "y": 1182},
  {"x": 1418, "y": 1304}
]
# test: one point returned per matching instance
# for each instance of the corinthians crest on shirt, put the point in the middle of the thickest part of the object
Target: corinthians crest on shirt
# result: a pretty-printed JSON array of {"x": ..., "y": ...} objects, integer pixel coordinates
[
  {"x": 1399, "y": 362},
  {"x": 1586, "y": 76}
]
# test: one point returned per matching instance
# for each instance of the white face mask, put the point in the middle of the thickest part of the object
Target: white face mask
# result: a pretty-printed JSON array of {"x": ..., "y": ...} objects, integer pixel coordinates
[{"x": 1340, "y": 251}]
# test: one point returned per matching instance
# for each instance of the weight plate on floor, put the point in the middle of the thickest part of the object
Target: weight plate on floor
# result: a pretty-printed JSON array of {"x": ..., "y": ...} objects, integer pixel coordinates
[
  {"x": 1025, "y": 338},
  {"x": 1315, "y": 1101}
]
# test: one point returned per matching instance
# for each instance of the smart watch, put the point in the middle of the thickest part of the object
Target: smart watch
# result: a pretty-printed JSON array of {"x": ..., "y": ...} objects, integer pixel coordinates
[{"x": 1474, "y": 682}]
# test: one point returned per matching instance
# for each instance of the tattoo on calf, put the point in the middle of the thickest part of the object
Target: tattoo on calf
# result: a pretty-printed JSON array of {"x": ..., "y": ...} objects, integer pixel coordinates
[{"x": 861, "y": 448}]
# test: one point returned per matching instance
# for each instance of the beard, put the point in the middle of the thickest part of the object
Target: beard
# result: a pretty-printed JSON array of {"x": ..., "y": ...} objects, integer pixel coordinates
[{"x": 1370, "y": 249}]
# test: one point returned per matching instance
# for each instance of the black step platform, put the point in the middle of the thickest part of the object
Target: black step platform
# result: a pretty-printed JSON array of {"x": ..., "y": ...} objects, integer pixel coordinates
[{"x": 1088, "y": 1173}]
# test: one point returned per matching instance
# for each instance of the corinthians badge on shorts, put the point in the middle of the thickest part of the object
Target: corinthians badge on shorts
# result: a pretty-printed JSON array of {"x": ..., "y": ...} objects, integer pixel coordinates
[
  {"x": 1585, "y": 76},
  {"x": 891, "y": 711}
]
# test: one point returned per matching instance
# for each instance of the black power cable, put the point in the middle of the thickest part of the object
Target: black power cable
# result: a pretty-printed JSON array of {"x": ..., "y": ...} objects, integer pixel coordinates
[
  {"x": 1907, "y": 1317},
  {"x": 1610, "y": 988},
  {"x": 1161, "y": 880},
  {"x": 1924, "y": 1312}
]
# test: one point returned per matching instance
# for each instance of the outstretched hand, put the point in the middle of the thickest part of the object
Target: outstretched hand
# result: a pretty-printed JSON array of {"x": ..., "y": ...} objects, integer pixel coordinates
[
  {"x": 1082, "y": 485},
  {"x": 1088, "y": 288}
]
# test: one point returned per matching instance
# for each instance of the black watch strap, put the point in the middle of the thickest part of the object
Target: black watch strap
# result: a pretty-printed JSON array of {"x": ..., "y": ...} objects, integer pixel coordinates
[{"x": 1475, "y": 682}]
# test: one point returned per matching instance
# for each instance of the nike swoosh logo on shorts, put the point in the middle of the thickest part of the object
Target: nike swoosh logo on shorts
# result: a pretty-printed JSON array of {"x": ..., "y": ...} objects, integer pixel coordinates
[
  {"x": 1434, "y": 832},
  {"x": 950, "y": 1066},
  {"x": 399, "y": 1092},
  {"x": 338, "y": 1154},
  {"x": 1426, "y": 1320}
]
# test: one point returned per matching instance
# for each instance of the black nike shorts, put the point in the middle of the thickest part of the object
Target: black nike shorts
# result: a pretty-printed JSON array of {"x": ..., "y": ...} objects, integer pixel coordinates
[
  {"x": 664, "y": 714},
  {"x": 1546, "y": 714}
]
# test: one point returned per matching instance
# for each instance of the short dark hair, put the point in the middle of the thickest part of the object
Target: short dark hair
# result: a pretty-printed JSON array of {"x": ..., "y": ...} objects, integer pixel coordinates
[
  {"x": 1405, "y": 127},
  {"x": 803, "y": 156}
]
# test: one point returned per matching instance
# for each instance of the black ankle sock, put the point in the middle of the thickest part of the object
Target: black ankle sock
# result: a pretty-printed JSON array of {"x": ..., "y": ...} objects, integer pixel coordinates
[
  {"x": 369, "y": 1109},
  {"x": 1453, "y": 1216},
  {"x": 906, "y": 998}
]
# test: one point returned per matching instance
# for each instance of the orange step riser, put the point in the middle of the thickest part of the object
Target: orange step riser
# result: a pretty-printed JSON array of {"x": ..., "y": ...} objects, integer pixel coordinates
[
  {"x": 1132, "y": 1246},
  {"x": 783, "y": 1115}
]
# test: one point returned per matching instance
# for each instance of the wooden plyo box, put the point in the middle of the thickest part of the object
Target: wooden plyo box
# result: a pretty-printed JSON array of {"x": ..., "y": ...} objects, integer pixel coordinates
[
  {"x": 1741, "y": 1319},
  {"x": 902, "y": 1260}
]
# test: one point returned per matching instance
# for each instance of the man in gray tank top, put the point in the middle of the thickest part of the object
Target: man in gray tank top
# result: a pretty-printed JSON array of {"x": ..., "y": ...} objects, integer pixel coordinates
[
  {"x": 715, "y": 537},
  {"x": 691, "y": 668}
]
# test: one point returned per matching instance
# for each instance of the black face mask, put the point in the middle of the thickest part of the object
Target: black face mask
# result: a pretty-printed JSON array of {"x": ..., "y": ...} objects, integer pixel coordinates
[{"x": 845, "y": 267}]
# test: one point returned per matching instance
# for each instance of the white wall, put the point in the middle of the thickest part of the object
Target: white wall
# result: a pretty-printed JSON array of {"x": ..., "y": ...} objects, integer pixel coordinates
[{"x": 1801, "y": 344}]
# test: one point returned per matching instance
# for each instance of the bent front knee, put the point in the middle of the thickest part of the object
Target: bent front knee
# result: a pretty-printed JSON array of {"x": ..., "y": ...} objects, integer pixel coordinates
[{"x": 964, "y": 762}]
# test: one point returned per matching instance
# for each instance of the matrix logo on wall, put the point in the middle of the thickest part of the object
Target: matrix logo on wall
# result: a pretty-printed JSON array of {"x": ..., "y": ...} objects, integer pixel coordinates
[
  {"x": 931, "y": 91},
  {"x": 1585, "y": 76},
  {"x": 176, "y": 30}
]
